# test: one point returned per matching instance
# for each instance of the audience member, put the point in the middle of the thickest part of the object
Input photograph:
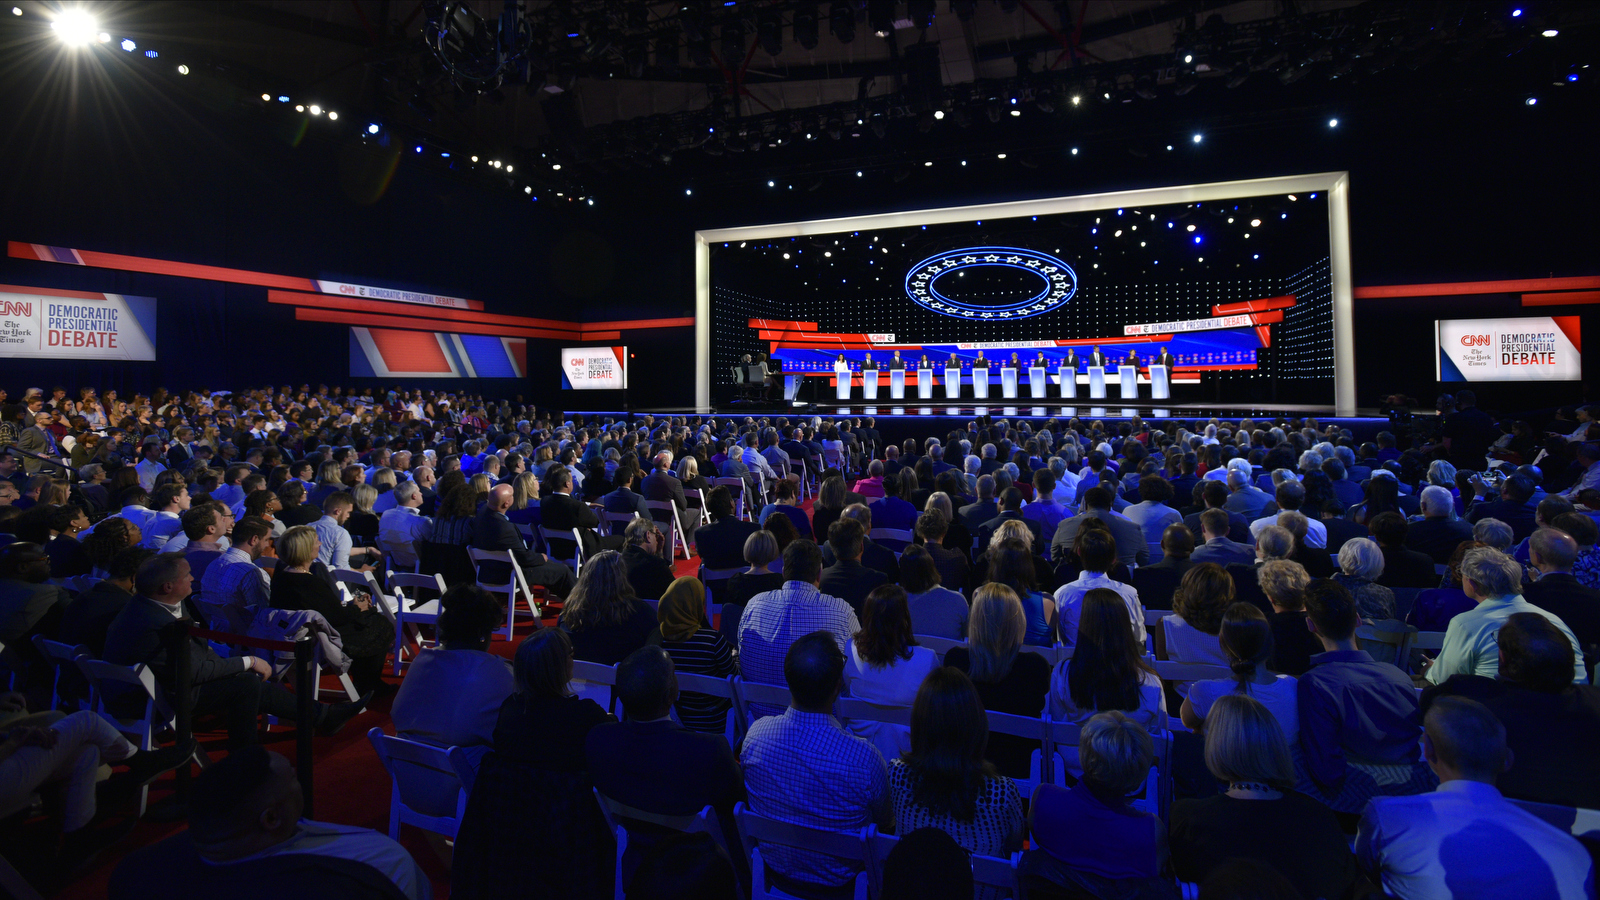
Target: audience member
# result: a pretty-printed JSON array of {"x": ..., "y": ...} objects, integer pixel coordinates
[
  {"x": 774, "y": 620},
  {"x": 885, "y": 666},
  {"x": 606, "y": 620},
  {"x": 1189, "y": 635},
  {"x": 234, "y": 580},
  {"x": 1402, "y": 567},
  {"x": 803, "y": 767},
  {"x": 696, "y": 649},
  {"x": 365, "y": 633},
  {"x": 1465, "y": 839},
  {"x": 452, "y": 694},
  {"x": 87, "y": 618},
  {"x": 1360, "y": 565},
  {"x": 721, "y": 544},
  {"x": 1246, "y": 639},
  {"x": 648, "y": 571},
  {"x": 1435, "y": 607},
  {"x": 936, "y": 611},
  {"x": 402, "y": 527},
  {"x": 761, "y": 552},
  {"x": 1260, "y": 816},
  {"x": 1107, "y": 671},
  {"x": 1440, "y": 531},
  {"x": 1217, "y": 547},
  {"x": 1097, "y": 554},
  {"x": 1558, "y": 592},
  {"x": 926, "y": 864},
  {"x": 337, "y": 548},
  {"x": 954, "y": 568},
  {"x": 1009, "y": 563},
  {"x": 1494, "y": 581},
  {"x": 847, "y": 578},
  {"x": 1284, "y": 584},
  {"x": 1007, "y": 679},
  {"x": 28, "y": 606},
  {"x": 491, "y": 530}
]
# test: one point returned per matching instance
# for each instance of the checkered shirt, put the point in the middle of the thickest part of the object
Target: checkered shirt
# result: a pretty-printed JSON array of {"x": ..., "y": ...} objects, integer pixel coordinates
[{"x": 776, "y": 619}]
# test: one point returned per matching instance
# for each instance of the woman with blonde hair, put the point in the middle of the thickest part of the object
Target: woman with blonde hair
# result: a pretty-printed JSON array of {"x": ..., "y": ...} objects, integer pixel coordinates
[
  {"x": 364, "y": 632},
  {"x": 603, "y": 616},
  {"x": 1260, "y": 816},
  {"x": 525, "y": 499},
  {"x": 697, "y": 649},
  {"x": 384, "y": 481},
  {"x": 363, "y": 522},
  {"x": 1007, "y": 679}
]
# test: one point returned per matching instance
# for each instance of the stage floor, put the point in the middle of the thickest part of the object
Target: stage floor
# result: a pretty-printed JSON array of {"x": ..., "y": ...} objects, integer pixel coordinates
[{"x": 1056, "y": 408}]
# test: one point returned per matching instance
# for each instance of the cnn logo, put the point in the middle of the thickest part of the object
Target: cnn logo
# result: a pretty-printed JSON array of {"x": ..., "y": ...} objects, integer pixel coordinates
[
  {"x": 577, "y": 362},
  {"x": 1474, "y": 340}
]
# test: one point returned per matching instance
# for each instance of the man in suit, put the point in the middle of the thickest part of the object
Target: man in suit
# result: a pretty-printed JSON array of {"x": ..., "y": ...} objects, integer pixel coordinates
[
  {"x": 796, "y": 449},
  {"x": 36, "y": 438},
  {"x": 491, "y": 530},
  {"x": 973, "y": 515},
  {"x": 1402, "y": 568},
  {"x": 1096, "y": 358},
  {"x": 897, "y": 364},
  {"x": 662, "y": 485},
  {"x": 847, "y": 578},
  {"x": 1131, "y": 547},
  {"x": 1217, "y": 547},
  {"x": 1511, "y": 507},
  {"x": 891, "y": 511},
  {"x": 652, "y": 763},
  {"x": 1165, "y": 358},
  {"x": 560, "y": 510},
  {"x": 234, "y": 687},
  {"x": 623, "y": 499},
  {"x": 954, "y": 568},
  {"x": 648, "y": 572},
  {"x": 1157, "y": 582},
  {"x": 1011, "y": 508},
  {"x": 1215, "y": 496},
  {"x": 1558, "y": 592},
  {"x": 1244, "y": 498},
  {"x": 721, "y": 544},
  {"x": 1438, "y": 534},
  {"x": 873, "y": 554}
]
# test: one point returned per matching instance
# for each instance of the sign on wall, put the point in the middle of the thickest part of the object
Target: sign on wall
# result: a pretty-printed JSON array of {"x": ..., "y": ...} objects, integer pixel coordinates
[
  {"x": 44, "y": 323},
  {"x": 594, "y": 368},
  {"x": 1531, "y": 348}
]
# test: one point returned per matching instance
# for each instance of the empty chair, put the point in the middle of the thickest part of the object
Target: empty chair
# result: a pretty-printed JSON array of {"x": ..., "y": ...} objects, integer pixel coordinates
[
  {"x": 413, "y": 611},
  {"x": 515, "y": 587}
]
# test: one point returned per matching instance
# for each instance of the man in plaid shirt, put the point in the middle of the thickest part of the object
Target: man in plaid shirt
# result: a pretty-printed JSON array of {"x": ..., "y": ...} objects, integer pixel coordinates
[
  {"x": 234, "y": 579},
  {"x": 803, "y": 767},
  {"x": 776, "y": 619}
]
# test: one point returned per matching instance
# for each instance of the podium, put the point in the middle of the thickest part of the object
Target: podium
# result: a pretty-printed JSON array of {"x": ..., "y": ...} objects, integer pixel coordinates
[
  {"x": 1069, "y": 381},
  {"x": 897, "y": 384},
  {"x": 1038, "y": 383},
  {"x": 925, "y": 384},
  {"x": 1008, "y": 383},
  {"x": 1160, "y": 383},
  {"x": 1097, "y": 382},
  {"x": 791, "y": 385},
  {"x": 1129, "y": 376},
  {"x": 980, "y": 383},
  {"x": 869, "y": 384},
  {"x": 842, "y": 373},
  {"x": 952, "y": 383}
]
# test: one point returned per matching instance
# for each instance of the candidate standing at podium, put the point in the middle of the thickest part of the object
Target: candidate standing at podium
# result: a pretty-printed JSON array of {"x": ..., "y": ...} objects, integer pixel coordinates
[
  {"x": 924, "y": 362},
  {"x": 897, "y": 362},
  {"x": 1068, "y": 372},
  {"x": 1015, "y": 363},
  {"x": 954, "y": 363},
  {"x": 1132, "y": 360},
  {"x": 980, "y": 362},
  {"x": 1097, "y": 359},
  {"x": 1040, "y": 362},
  {"x": 1165, "y": 359}
]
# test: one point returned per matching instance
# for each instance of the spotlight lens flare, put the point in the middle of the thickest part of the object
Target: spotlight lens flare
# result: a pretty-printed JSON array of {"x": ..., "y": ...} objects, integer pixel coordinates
[
  {"x": 373, "y": 128},
  {"x": 75, "y": 27},
  {"x": 129, "y": 45},
  {"x": 1333, "y": 123},
  {"x": 1198, "y": 138},
  {"x": 183, "y": 70}
]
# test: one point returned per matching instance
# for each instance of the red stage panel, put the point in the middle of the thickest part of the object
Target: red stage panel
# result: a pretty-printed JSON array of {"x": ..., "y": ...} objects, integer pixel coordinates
[{"x": 1461, "y": 288}]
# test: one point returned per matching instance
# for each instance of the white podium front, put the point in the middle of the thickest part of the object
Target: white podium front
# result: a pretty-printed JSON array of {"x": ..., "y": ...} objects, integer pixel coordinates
[
  {"x": 1069, "y": 381},
  {"x": 925, "y": 384},
  {"x": 952, "y": 383},
  {"x": 791, "y": 386},
  {"x": 1097, "y": 382},
  {"x": 1008, "y": 383},
  {"x": 1038, "y": 383},
  {"x": 841, "y": 373},
  {"x": 1129, "y": 376},
  {"x": 1160, "y": 385},
  {"x": 897, "y": 384},
  {"x": 980, "y": 383},
  {"x": 869, "y": 384}
]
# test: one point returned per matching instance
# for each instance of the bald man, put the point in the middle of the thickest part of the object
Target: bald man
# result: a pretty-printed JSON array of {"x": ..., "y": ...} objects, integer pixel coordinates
[{"x": 491, "y": 530}]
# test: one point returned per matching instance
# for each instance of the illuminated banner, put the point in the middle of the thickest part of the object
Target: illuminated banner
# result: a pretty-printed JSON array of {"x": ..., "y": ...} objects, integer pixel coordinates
[
  {"x": 881, "y": 338},
  {"x": 1007, "y": 345},
  {"x": 378, "y": 293},
  {"x": 594, "y": 368},
  {"x": 1542, "y": 348},
  {"x": 52, "y": 324},
  {"x": 1210, "y": 324}
]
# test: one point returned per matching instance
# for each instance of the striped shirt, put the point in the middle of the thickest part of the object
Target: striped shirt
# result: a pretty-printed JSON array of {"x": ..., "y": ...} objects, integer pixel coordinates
[
  {"x": 805, "y": 768},
  {"x": 776, "y": 619},
  {"x": 706, "y": 652},
  {"x": 234, "y": 579}
]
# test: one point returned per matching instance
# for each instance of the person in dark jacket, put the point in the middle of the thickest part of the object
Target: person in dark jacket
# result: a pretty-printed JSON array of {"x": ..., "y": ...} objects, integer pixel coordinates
[
  {"x": 491, "y": 530},
  {"x": 87, "y": 618},
  {"x": 647, "y": 571},
  {"x": 721, "y": 544},
  {"x": 847, "y": 578},
  {"x": 1402, "y": 568},
  {"x": 364, "y": 632}
]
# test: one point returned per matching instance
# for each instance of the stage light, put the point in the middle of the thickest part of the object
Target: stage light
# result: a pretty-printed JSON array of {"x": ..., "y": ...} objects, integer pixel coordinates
[
  {"x": 1074, "y": 151},
  {"x": 1257, "y": 256},
  {"x": 508, "y": 170},
  {"x": 474, "y": 159},
  {"x": 938, "y": 114},
  {"x": 858, "y": 174},
  {"x": 1191, "y": 228},
  {"x": 1573, "y": 77},
  {"x": 1230, "y": 220},
  {"x": 1293, "y": 198},
  {"x": 333, "y": 116},
  {"x": 129, "y": 45},
  {"x": 267, "y": 97},
  {"x": 963, "y": 162},
  {"x": 75, "y": 27},
  {"x": 1333, "y": 123},
  {"x": 1531, "y": 101},
  {"x": 527, "y": 190},
  {"x": 373, "y": 128},
  {"x": 1016, "y": 112},
  {"x": 151, "y": 54},
  {"x": 1549, "y": 32},
  {"x": 1077, "y": 99},
  {"x": 555, "y": 167},
  {"x": 283, "y": 98},
  {"x": 299, "y": 108},
  {"x": 316, "y": 110},
  {"x": 828, "y": 253},
  {"x": 928, "y": 163},
  {"x": 591, "y": 201},
  {"x": 183, "y": 70},
  {"x": 103, "y": 38},
  {"x": 1188, "y": 58},
  {"x": 1255, "y": 223},
  {"x": 1000, "y": 156},
  {"x": 1516, "y": 13},
  {"x": 1197, "y": 239},
  {"x": 689, "y": 192},
  {"x": 786, "y": 256},
  {"x": 16, "y": 10},
  {"x": 1247, "y": 235},
  {"x": 495, "y": 163},
  {"x": 772, "y": 184},
  {"x": 1198, "y": 138},
  {"x": 1283, "y": 215},
  {"x": 1117, "y": 234},
  {"x": 419, "y": 148}
]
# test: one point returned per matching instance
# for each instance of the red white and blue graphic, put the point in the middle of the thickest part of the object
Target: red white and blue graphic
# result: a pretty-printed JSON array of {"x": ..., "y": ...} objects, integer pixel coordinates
[
  {"x": 391, "y": 352},
  {"x": 1057, "y": 282},
  {"x": 47, "y": 323}
]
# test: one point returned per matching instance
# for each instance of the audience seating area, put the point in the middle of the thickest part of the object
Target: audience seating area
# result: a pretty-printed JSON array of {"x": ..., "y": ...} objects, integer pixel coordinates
[{"x": 824, "y": 656}]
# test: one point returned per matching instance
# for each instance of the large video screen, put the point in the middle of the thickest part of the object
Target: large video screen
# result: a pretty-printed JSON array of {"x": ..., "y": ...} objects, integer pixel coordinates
[
  {"x": 1237, "y": 290},
  {"x": 1526, "y": 348}
]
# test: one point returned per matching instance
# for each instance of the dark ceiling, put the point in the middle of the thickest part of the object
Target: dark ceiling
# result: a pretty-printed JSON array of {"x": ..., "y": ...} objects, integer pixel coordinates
[{"x": 572, "y": 93}]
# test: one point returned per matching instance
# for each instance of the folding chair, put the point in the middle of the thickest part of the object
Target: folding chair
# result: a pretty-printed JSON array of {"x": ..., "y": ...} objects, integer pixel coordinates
[
  {"x": 422, "y": 612},
  {"x": 713, "y": 686},
  {"x": 613, "y": 522},
  {"x": 573, "y": 562},
  {"x": 736, "y": 487},
  {"x": 669, "y": 522},
  {"x": 896, "y": 539},
  {"x": 421, "y": 777},
  {"x": 108, "y": 682},
  {"x": 1423, "y": 640},
  {"x": 987, "y": 871},
  {"x": 596, "y": 682},
  {"x": 756, "y": 830},
  {"x": 939, "y": 645},
  {"x": 283, "y": 667},
  {"x": 1049, "y": 653},
  {"x": 798, "y": 467},
  {"x": 618, "y": 815},
  {"x": 746, "y": 693},
  {"x": 64, "y": 657},
  {"x": 697, "y": 501},
  {"x": 515, "y": 585},
  {"x": 1387, "y": 641},
  {"x": 1030, "y": 727},
  {"x": 363, "y": 581},
  {"x": 718, "y": 576}
]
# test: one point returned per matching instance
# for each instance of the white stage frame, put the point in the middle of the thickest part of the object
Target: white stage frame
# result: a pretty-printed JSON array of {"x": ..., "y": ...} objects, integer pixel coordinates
[{"x": 1335, "y": 184}]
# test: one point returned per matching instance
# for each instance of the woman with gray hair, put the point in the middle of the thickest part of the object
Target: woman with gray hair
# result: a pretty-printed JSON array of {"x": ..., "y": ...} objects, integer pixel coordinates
[
  {"x": 1360, "y": 564},
  {"x": 1471, "y": 643},
  {"x": 1493, "y": 533}
]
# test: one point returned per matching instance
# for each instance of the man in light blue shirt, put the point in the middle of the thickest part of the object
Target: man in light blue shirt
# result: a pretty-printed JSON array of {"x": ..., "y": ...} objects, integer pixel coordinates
[
  {"x": 1465, "y": 839},
  {"x": 1471, "y": 642},
  {"x": 337, "y": 548}
]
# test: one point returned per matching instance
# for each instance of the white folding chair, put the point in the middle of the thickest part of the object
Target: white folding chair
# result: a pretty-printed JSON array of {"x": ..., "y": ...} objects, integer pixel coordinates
[
  {"x": 896, "y": 539},
  {"x": 614, "y": 522},
  {"x": 669, "y": 521},
  {"x": 987, "y": 871},
  {"x": 1387, "y": 641},
  {"x": 1031, "y": 728},
  {"x": 1049, "y": 654},
  {"x": 62, "y": 657},
  {"x": 697, "y": 502},
  {"x": 707, "y": 576},
  {"x": 746, "y": 693},
  {"x": 420, "y": 613},
  {"x": 421, "y": 777},
  {"x": 619, "y": 815},
  {"x": 756, "y": 830},
  {"x": 573, "y": 562},
  {"x": 112, "y": 681},
  {"x": 515, "y": 586},
  {"x": 361, "y": 581},
  {"x": 798, "y": 467},
  {"x": 283, "y": 668},
  {"x": 595, "y": 681},
  {"x": 940, "y": 645},
  {"x": 713, "y": 686},
  {"x": 735, "y": 486},
  {"x": 1423, "y": 640}
]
